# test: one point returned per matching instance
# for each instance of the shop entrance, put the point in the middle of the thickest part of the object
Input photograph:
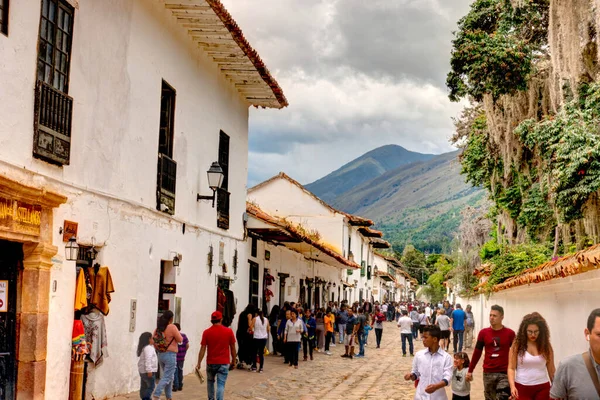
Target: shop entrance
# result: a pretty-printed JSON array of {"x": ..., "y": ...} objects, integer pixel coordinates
[{"x": 11, "y": 258}]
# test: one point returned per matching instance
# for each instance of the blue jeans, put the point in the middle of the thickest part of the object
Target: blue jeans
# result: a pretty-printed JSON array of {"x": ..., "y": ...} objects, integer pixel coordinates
[
  {"x": 457, "y": 337},
  {"x": 178, "y": 378},
  {"x": 409, "y": 337},
  {"x": 342, "y": 329},
  {"x": 361, "y": 343},
  {"x": 415, "y": 330},
  {"x": 168, "y": 362},
  {"x": 146, "y": 386},
  {"x": 219, "y": 373}
]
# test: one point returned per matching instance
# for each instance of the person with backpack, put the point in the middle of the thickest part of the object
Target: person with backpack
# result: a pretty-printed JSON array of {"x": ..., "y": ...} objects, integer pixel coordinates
[
  {"x": 147, "y": 365},
  {"x": 378, "y": 320},
  {"x": 166, "y": 338}
]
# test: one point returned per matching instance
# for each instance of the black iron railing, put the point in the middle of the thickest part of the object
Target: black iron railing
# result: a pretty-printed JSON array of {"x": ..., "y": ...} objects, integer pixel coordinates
[
  {"x": 167, "y": 180},
  {"x": 223, "y": 208},
  {"x": 53, "y": 123}
]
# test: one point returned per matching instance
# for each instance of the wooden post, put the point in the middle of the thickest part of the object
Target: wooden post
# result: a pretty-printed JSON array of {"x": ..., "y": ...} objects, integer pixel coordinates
[{"x": 76, "y": 382}]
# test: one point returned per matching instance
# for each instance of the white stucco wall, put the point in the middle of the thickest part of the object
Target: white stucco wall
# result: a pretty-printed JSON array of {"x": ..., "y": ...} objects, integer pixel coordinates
[
  {"x": 565, "y": 304},
  {"x": 121, "y": 52}
]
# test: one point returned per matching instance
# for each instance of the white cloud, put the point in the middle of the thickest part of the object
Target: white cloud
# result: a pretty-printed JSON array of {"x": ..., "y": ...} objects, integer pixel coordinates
[{"x": 358, "y": 75}]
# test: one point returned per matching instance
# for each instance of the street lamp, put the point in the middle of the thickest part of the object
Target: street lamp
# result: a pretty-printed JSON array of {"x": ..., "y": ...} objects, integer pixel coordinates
[
  {"x": 215, "y": 180},
  {"x": 72, "y": 249}
]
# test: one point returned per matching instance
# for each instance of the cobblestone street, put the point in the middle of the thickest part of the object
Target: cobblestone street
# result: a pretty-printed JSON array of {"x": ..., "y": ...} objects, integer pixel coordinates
[{"x": 377, "y": 376}]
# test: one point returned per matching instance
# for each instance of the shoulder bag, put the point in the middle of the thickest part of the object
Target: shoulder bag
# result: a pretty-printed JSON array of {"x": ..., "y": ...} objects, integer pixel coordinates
[{"x": 587, "y": 360}]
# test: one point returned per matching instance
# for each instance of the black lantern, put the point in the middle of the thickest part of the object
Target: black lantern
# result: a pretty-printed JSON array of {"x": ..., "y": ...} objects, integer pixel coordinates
[
  {"x": 72, "y": 249},
  {"x": 215, "y": 180}
]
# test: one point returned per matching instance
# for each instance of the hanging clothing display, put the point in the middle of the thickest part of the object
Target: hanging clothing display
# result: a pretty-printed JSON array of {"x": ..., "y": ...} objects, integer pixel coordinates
[
  {"x": 81, "y": 300},
  {"x": 95, "y": 333},
  {"x": 229, "y": 312},
  {"x": 221, "y": 300},
  {"x": 78, "y": 342},
  {"x": 102, "y": 287}
]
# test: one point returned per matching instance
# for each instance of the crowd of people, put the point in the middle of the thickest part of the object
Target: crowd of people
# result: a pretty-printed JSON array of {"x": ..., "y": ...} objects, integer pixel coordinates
[{"x": 516, "y": 365}]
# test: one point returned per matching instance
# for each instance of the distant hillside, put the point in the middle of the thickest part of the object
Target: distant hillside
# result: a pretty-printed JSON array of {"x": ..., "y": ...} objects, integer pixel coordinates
[
  {"x": 416, "y": 203},
  {"x": 363, "y": 169}
]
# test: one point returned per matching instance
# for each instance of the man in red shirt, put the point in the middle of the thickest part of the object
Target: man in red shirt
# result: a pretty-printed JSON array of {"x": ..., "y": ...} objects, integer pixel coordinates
[
  {"x": 220, "y": 342},
  {"x": 496, "y": 340}
]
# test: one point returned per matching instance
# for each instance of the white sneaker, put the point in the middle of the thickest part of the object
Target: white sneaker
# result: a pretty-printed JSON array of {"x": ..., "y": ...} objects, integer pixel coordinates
[{"x": 328, "y": 353}]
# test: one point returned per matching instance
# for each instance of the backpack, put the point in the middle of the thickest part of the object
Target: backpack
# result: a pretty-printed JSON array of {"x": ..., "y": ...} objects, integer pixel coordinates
[{"x": 160, "y": 341}]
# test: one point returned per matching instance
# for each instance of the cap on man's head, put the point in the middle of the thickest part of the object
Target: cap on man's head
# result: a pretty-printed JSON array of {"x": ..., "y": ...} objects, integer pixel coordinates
[{"x": 216, "y": 316}]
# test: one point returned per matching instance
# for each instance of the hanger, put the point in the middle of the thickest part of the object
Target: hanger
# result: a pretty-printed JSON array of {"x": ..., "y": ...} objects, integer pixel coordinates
[{"x": 96, "y": 267}]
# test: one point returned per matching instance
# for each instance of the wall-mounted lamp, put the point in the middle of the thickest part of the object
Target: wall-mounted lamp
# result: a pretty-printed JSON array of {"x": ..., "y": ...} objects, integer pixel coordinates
[
  {"x": 215, "y": 180},
  {"x": 176, "y": 258},
  {"x": 72, "y": 249}
]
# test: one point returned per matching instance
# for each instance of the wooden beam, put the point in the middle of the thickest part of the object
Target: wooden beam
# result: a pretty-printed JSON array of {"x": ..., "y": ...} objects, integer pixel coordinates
[
  {"x": 193, "y": 14},
  {"x": 193, "y": 7},
  {"x": 205, "y": 21}
]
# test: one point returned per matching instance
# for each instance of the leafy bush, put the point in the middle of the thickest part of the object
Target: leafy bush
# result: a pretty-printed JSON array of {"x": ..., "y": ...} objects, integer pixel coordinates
[{"x": 512, "y": 260}]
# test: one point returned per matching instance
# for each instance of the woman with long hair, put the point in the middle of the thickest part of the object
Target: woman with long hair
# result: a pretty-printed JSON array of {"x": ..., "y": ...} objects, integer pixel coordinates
[
  {"x": 260, "y": 328},
  {"x": 244, "y": 336},
  {"x": 166, "y": 338},
  {"x": 531, "y": 360}
]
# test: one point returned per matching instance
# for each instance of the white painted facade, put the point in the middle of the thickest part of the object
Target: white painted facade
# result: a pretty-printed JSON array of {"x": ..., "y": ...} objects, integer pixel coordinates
[
  {"x": 565, "y": 303},
  {"x": 121, "y": 52},
  {"x": 283, "y": 198}
]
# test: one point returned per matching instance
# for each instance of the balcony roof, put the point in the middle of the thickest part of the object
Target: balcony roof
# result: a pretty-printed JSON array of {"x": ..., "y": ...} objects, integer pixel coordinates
[
  {"x": 280, "y": 231},
  {"x": 215, "y": 31}
]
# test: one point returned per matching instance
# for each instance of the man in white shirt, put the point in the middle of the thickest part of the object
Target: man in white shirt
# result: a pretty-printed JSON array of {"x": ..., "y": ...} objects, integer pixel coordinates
[
  {"x": 428, "y": 310},
  {"x": 432, "y": 367},
  {"x": 405, "y": 325}
]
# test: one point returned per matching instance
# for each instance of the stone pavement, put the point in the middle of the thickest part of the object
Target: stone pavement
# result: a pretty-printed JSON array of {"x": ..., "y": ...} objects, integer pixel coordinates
[{"x": 380, "y": 375}]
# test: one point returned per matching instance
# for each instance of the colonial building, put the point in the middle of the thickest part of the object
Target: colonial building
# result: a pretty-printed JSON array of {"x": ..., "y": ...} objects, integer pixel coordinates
[
  {"x": 112, "y": 114},
  {"x": 348, "y": 236}
]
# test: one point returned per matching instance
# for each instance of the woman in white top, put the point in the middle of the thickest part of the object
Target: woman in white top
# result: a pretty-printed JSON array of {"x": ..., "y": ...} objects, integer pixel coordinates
[
  {"x": 260, "y": 327},
  {"x": 531, "y": 360}
]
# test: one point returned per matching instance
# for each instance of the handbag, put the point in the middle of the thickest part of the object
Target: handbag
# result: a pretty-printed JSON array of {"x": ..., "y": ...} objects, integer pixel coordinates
[
  {"x": 587, "y": 360},
  {"x": 266, "y": 352}
]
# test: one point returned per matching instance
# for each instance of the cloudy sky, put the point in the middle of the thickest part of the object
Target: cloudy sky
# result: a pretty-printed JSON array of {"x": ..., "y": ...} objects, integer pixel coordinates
[{"x": 358, "y": 74}]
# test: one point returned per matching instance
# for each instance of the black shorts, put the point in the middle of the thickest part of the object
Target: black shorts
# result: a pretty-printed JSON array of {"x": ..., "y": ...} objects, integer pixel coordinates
[{"x": 445, "y": 334}]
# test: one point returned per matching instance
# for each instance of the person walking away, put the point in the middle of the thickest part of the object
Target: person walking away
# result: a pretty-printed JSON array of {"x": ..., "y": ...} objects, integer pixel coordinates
[
  {"x": 575, "y": 378},
  {"x": 147, "y": 365},
  {"x": 378, "y": 319},
  {"x": 531, "y": 360},
  {"x": 443, "y": 322},
  {"x": 428, "y": 310},
  {"x": 405, "y": 324},
  {"x": 320, "y": 332},
  {"x": 244, "y": 336},
  {"x": 261, "y": 329},
  {"x": 309, "y": 338},
  {"x": 432, "y": 367},
  {"x": 457, "y": 325},
  {"x": 342, "y": 321},
  {"x": 294, "y": 328},
  {"x": 414, "y": 317},
  {"x": 361, "y": 322},
  {"x": 166, "y": 337},
  {"x": 423, "y": 320},
  {"x": 273, "y": 322},
  {"x": 218, "y": 344},
  {"x": 461, "y": 388},
  {"x": 384, "y": 310},
  {"x": 328, "y": 321},
  {"x": 182, "y": 349},
  {"x": 469, "y": 327},
  {"x": 350, "y": 337},
  {"x": 496, "y": 341}
]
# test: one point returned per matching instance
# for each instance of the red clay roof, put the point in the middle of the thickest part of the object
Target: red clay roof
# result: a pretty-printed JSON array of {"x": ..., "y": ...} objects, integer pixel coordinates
[
  {"x": 583, "y": 261},
  {"x": 260, "y": 214},
  {"x": 353, "y": 219}
]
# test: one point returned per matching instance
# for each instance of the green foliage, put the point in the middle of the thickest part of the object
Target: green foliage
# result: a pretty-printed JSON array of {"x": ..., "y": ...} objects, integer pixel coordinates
[
  {"x": 414, "y": 261},
  {"x": 536, "y": 213},
  {"x": 435, "y": 289},
  {"x": 512, "y": 260},
  {"x": 569, "y": 145},
  {"x": 477, "y": 162},
  {"x": 489, "y": 250},
  {"x": 494, "y": 48}
]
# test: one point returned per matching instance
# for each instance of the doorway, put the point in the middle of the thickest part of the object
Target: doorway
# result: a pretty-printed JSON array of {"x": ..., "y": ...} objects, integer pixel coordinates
[
  {"x": 11, "y": 259},
  {"x": 253, "y": 284}
]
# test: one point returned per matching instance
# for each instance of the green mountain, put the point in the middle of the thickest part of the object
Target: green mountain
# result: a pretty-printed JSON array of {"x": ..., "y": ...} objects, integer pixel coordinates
[
  {"x": 417, "y": 203},
  {"x": 363, "y": 169}
]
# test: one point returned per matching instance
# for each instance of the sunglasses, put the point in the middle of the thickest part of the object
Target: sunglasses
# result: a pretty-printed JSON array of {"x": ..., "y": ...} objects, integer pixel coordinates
[{"x": 533, "y": 333}]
